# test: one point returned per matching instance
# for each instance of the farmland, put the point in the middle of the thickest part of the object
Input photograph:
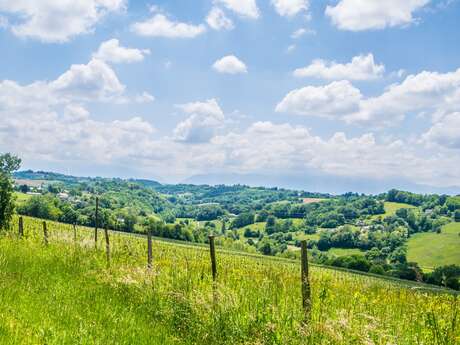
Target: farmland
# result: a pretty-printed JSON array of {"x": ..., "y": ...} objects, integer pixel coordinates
[
  {"x": 432, "y": 250},
  {"x": 58, "y": 293}
]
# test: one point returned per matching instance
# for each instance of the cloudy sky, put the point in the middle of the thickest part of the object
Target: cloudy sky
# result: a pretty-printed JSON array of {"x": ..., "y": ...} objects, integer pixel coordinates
[{"x": 324, "y": 95}]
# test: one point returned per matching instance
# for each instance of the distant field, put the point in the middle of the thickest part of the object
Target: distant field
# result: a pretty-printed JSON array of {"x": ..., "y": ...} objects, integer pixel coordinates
[
  {"x": 260, "y": 226},
  {"x": 301, "y": 236},
  {"x": 21, "y": 198},
  {"x": 431, "y": 250},
  {"x": 311, "y": 200},
  {"x": 30, "y": 183},
  {"x": 345, "y": 251},
  {"x": 392, "y": 207}
]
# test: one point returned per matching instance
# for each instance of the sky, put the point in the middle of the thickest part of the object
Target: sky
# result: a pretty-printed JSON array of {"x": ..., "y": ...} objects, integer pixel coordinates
[{"x": 332, "y": 96}]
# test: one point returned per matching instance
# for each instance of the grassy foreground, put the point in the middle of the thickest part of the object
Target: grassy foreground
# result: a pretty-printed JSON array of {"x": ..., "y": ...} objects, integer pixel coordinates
[
  {"x": 65, "y": 294},
  {"x": 431, "y": 249}
]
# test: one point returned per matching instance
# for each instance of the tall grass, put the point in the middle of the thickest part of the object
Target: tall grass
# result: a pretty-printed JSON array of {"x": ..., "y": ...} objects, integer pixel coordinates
[{"x": 64, "y": 294}]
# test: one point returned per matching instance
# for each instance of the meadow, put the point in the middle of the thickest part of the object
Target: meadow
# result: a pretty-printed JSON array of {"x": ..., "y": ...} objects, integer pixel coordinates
[
  {"x": 21, "y": 198},
  {"x": 391, "y": 208},
  {"x": 431, "y": 250},
  {"x": 65, "y": 293}
]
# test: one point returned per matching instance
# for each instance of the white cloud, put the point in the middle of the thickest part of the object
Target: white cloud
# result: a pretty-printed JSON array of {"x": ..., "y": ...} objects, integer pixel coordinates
[
  {"x": 432, "y": 93},
  {"x": 284, "y": 149},
  {"x": 205, "y": 118},
  {"x": 446, "y": 132},
  {"x": 291, "y": 48},
  {"x": 3, "y": 22},
  {"x": 50, "y": 130},
  {"x": 230, "y": 64},
  {"x": 161, "y": 26},
  {"x": 209, "y": 107},
  {"x": 57, "y": 21},
  {"x": 429, "y": 93},
  {"x": 75, "y": 113},
  {"x": 111, "y": 51},
  {"x": 358, "y": 15},
  {"x": 47, "y": 127},
  {"x": 145, "y": 97},
  {"x": 93, "y": 81},
  {"x": 331, "y": 101},
  {"x": 302, "y": 32},
  {"x": 361, "y": 67},
  {"x": 289, "y": 8},
  {"x": 244, "y": 8},
  {"x": 217, "y": 20}
]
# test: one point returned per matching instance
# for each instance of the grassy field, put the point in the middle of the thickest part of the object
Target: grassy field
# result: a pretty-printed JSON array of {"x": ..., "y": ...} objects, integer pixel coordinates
[
  {"x": 311, "y": 200},
  {"x": 345, "y": 251},
  {"x": 260, "y": 226},
  {"x": 21, "y": 198},
  {"x": 64, "y": 293},
  {"x": 302, "y": 236},
  {"x": 391, "y": 208},
  {"x": 431, "y": 250}
]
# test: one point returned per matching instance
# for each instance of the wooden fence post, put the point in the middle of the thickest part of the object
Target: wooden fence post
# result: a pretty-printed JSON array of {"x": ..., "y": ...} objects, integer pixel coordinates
[
  {"x": 107, "y": 245},
  {"x": 306, "y": 291},
  {"x": 75, "y": 232},
  {"x": 212, "y": 249},
  {"x": 21, "y": 227},
  {"x": 45, "y": 233},
  {"x": 149, "y": 249},
  {"x": 96, "y": 221}
]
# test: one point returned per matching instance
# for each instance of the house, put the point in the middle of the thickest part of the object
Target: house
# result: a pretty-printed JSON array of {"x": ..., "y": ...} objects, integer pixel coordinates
[{"x": 63, "y": 196}]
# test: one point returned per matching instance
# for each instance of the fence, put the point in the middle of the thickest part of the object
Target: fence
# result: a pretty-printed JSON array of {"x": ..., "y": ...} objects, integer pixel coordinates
[{"x": 304, "y": 274}]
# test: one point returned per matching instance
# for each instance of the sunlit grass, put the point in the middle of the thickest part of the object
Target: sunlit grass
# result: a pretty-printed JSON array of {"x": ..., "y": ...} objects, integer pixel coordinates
[
  {"x": 64, "y": 294},
  {"x": 345, "y": 251},
  {"x": 431, "y": 250},
  {"x": 21, "y": 198}
]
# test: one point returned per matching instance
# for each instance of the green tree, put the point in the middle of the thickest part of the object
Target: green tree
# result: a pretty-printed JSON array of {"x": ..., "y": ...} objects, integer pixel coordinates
[
  {"x": 8, "y": 164},
  {"x": 223, "y": 228},
  {"x": 24, "y": 188},
  {"x": 43, "y": 207},
  {"x": 457, "y": 216},
  {"x": 243, "y": 219}
]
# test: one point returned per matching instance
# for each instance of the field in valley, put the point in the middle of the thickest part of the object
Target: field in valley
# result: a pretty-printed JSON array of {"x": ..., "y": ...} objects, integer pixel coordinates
[
  {"x": 431, "y": 250},
  {"x": 64, "y": 293},
  {"x": 391, "y": 208}
]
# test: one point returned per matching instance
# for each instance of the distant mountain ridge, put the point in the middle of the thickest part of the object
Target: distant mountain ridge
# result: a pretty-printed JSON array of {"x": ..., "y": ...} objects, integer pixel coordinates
[
  {"x": 52, "y": 176},
  {"x": 319, "y": 183}
]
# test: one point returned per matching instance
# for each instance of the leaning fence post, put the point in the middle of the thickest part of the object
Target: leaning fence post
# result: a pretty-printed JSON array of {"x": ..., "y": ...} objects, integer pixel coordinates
[
  {"x": 21, "y": 227},
  {"x": 212, "y": 249},
  {"x": 149, "y": 249},
  {"x": 96, "y": 221},
  {"x": 107, "y": 245},
  {"x": 306, "y": 291},
  {"x": 45, "y": 233}
]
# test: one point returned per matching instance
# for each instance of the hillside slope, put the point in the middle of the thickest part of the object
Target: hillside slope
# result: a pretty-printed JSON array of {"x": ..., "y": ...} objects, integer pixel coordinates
[
  {"x": 431, "y": 250},
  {"x": 63, "y": 293}
]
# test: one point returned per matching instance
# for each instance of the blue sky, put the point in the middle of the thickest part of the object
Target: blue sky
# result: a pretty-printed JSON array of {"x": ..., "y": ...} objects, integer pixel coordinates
[{"x": 323, "y": 95}]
